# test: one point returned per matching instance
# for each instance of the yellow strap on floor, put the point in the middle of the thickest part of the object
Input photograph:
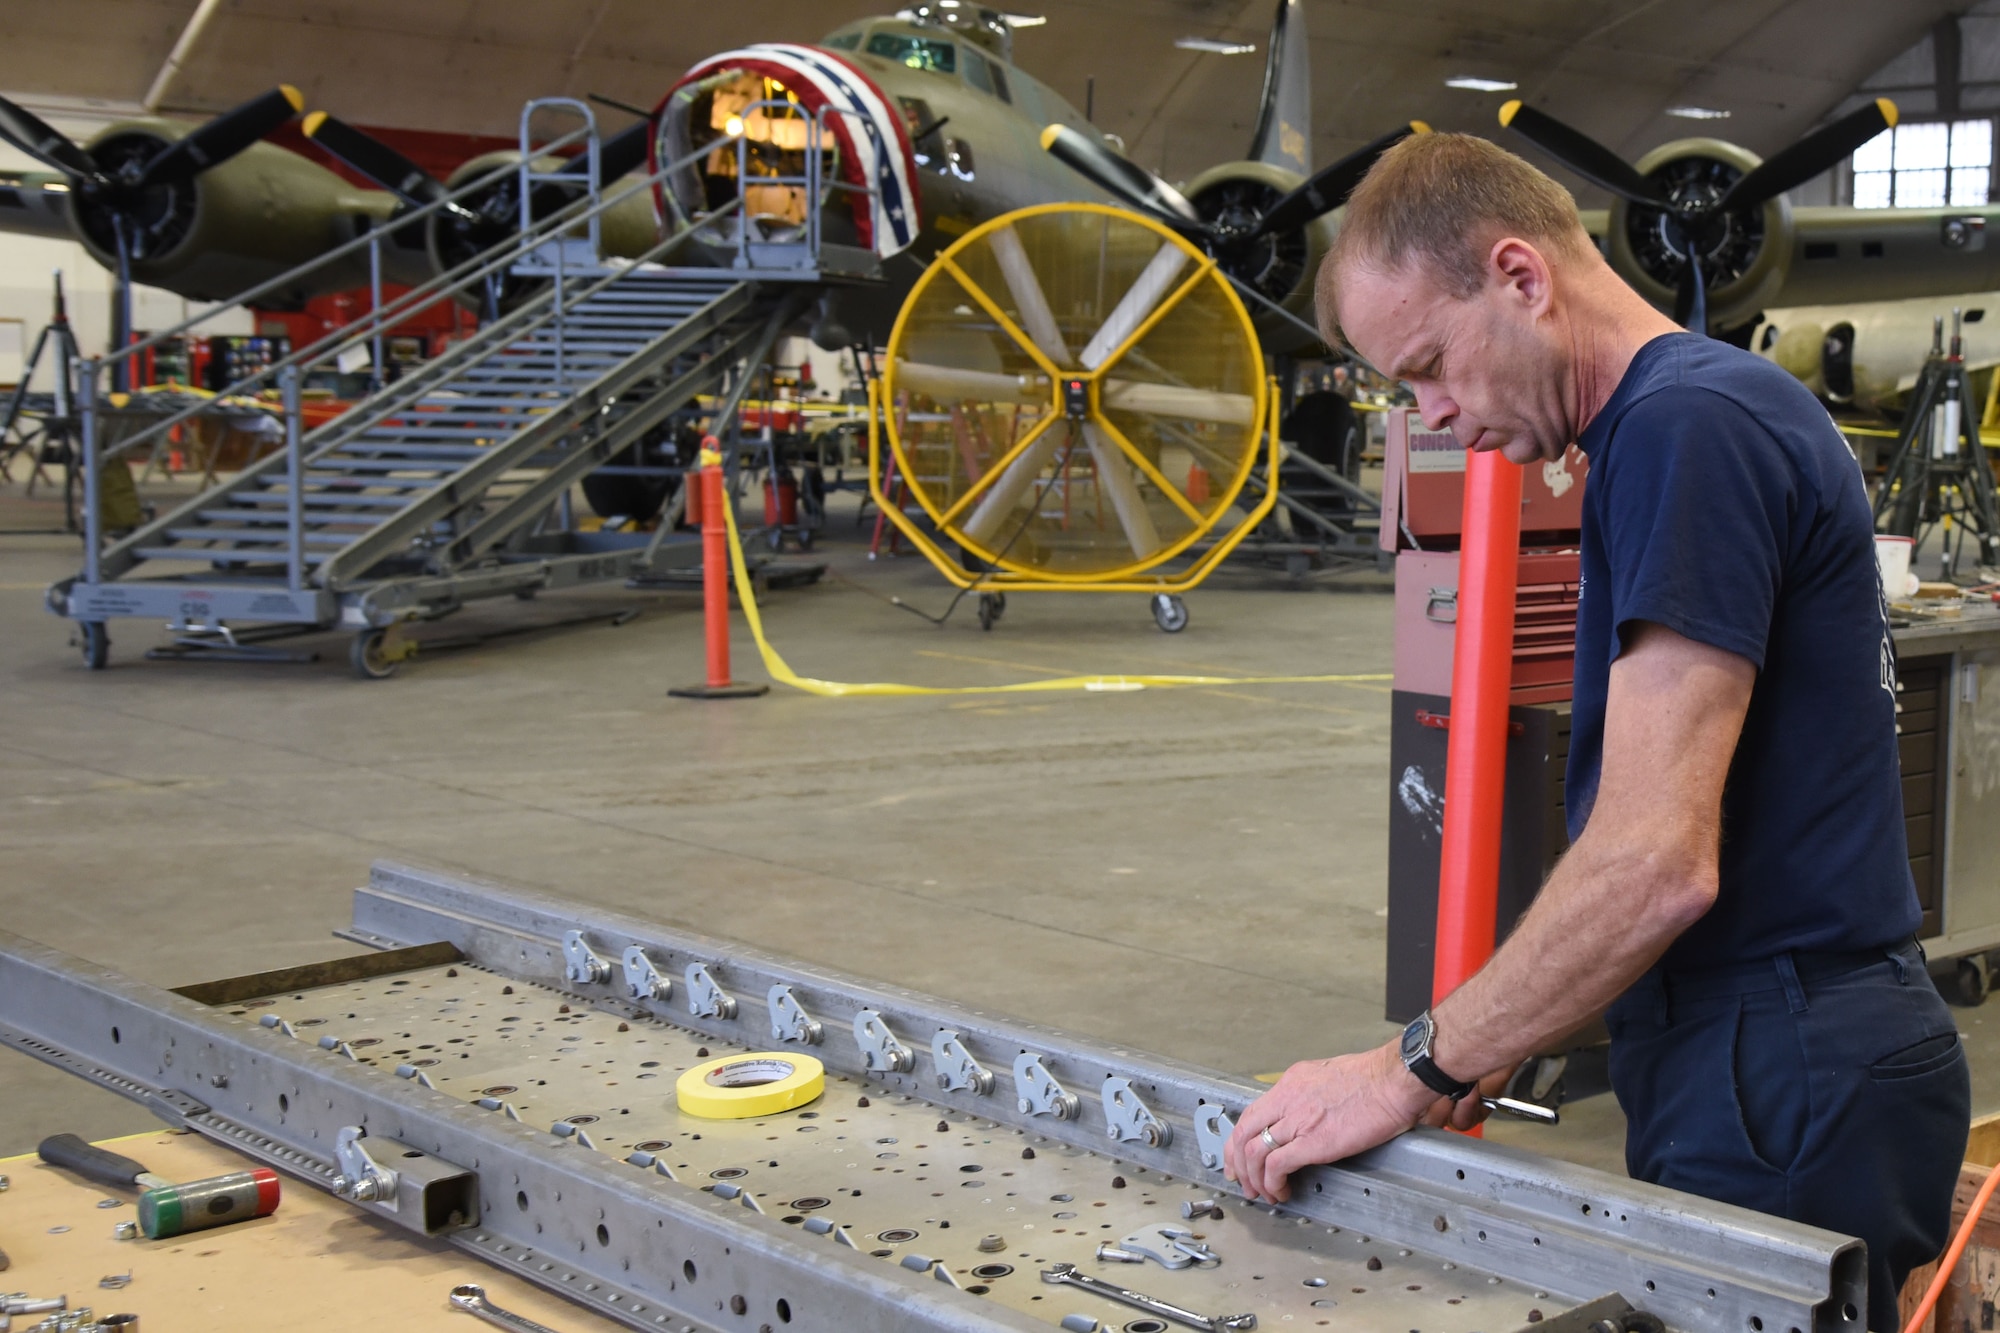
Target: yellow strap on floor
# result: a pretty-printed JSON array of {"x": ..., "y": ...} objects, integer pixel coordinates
[{"x": 781, "y": 672}]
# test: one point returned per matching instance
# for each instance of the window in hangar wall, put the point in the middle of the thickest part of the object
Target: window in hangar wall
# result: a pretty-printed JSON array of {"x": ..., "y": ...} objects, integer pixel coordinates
[{"x": 1929, "y": 164}]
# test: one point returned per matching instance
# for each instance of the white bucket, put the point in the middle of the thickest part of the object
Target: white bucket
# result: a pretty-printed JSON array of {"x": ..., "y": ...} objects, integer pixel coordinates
[{"x": 1892, "y": 559}]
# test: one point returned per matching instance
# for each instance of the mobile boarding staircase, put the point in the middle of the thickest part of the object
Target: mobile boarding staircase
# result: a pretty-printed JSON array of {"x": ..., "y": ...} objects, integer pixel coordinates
[{"x": 452, "y": 483}]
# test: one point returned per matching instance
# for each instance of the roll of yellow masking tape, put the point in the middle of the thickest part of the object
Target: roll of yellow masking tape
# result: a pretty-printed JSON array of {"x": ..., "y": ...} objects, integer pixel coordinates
[{"x": 737, "y": 1087}]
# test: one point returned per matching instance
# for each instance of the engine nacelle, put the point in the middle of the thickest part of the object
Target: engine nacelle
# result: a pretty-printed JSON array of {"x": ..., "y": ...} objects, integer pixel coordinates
[
  {"x": 1744, "y": 253},
  {"x": 627, "y": 229},
  {"x": 1280, "y": 266},
  {"x": 1868, "y": 357},
  {"x": 242, "y": 222}
]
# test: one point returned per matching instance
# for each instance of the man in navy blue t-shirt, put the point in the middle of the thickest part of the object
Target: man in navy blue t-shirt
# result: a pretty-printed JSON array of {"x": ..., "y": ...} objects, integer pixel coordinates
[{"x": 1737, "y": 895}]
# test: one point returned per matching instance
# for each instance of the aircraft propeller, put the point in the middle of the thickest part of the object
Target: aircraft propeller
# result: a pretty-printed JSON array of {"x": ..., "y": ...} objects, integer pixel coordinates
[
  {"x": 1696, "y": 218},
  {"x": 1133, "y": 185},
  {"x": 471, "y": 226},
  {"x": 119, "y": 183}
]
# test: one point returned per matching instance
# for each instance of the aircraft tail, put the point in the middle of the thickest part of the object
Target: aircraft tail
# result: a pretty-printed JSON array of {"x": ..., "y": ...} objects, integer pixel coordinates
[{"x": 1284, "y": 120}]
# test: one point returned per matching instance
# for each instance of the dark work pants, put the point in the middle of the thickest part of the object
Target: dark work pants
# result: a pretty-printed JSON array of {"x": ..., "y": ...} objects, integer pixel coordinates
[{"x": 1831, "y": 1090}]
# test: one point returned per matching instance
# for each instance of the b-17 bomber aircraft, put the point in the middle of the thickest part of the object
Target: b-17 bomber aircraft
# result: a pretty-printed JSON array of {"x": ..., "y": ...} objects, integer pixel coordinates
[
  {"x": 927, "y": 107},
  {"x": 1702, "y": 228}
]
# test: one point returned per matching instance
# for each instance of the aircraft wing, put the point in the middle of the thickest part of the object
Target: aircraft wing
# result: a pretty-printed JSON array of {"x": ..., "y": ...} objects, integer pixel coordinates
[
  {"x": 1843, "y": 255},
  {"x": 35, "y": 203}
]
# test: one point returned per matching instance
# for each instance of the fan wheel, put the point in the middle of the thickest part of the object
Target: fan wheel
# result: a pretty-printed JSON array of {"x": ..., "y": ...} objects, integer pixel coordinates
[{"x": 1062, "y": 384}]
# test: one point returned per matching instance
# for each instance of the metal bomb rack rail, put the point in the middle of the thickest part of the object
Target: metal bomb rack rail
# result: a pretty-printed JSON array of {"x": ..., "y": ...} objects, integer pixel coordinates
[{"x": 499, "y": 1073}]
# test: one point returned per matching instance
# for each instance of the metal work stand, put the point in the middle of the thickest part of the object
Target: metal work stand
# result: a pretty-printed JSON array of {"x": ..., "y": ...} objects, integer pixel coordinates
[
  {"x": 52, "y": 437},
  {"x": 1939, "y": 471}
]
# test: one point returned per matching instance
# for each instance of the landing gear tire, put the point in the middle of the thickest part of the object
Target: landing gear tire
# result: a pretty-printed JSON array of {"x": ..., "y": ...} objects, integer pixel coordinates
[
  {"x": 96, "y": 644},
  {"x": 992, "y": 605},
  {"x": 621, "y": 495},
  {"x": 369, "y": 655},
  {"x": 1169, "y": 612}
]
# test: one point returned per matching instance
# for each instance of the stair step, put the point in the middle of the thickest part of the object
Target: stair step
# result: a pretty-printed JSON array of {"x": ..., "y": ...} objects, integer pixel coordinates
[
  {"x": 261, "y": 557},
  {"x": 251, "y": 537},
  {"x": 279, "y": 517},
  {"x": 320, "y": 500},
  {"x": 623, "y": 319},
  {"x": 417, "y": 435},
  {"x": 342, "y": 467},
  {"x": 528, "y": 403}
]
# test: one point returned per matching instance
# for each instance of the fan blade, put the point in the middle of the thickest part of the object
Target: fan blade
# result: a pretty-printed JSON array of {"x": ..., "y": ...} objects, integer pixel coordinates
[
  {"x": 1121, "y": 177},
  {"x": 1580, "y": 153},
  {"x": 1811, "y": 155},
  {"x": 224, "y": 137},
  {"x": 374, "y": 159},
  {"x": 41, "y": 141},
  {"x": 623, "y": 152},
  {"x": 1328, "y": 188}
]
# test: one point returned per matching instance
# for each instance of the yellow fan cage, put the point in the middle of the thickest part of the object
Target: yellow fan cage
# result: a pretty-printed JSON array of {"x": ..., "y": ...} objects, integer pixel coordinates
[{"x": 1074, "y": 395}]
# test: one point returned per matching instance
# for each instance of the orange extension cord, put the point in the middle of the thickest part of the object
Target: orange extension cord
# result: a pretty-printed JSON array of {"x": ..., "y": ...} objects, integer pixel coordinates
[{"x": 1952, "y": 1255}]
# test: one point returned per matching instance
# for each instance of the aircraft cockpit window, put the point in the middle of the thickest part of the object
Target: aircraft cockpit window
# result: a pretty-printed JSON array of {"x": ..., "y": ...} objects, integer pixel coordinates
[
  {"x": 986, "y": 76},
  {"x": 976, "y": 72},
  {"x": 916, "y": 52}
]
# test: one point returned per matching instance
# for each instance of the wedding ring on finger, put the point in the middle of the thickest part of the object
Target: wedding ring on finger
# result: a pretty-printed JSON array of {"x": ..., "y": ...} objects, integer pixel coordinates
[{"x": 1269, "y": 1142}]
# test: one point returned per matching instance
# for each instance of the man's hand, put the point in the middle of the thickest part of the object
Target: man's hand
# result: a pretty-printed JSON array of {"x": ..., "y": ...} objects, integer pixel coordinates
[{"x": 1322, "y": 1111}]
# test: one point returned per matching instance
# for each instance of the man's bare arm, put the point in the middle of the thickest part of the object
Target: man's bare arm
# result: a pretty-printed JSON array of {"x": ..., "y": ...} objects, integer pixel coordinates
[
  {"x": 1641, "y": 874},
  {"x": 1644, "y": 870}
]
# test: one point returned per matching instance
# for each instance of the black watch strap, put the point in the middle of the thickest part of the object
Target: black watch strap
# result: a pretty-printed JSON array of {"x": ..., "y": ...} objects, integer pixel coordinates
[{"x": 1418, "y": 1039}]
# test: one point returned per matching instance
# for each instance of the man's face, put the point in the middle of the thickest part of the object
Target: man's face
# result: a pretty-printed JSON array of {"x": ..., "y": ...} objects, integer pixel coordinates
[{"x": 1489, "y": 368}]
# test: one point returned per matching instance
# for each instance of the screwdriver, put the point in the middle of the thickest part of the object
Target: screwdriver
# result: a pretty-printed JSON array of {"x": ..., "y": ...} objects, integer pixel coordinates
[{"x": 1520, "y": 1110}]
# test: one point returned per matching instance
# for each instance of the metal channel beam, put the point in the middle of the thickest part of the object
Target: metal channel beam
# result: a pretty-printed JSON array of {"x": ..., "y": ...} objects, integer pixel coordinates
[
  {"x": 658, "y": 1254},
  {"x": 1575, "y": 1231},
  {"x": 636, "y": 1248}
]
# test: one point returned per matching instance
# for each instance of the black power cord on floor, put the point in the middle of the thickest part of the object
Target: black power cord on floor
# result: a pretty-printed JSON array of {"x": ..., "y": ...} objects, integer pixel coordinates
[{"x": 977, "y": 585}]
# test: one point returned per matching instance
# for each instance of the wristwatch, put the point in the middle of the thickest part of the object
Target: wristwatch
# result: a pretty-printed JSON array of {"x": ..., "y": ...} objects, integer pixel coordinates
[{"x": 1418, "y": 1038}]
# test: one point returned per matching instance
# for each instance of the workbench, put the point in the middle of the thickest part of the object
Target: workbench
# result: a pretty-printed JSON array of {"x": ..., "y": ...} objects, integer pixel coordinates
[
  {"x": 332, "y": 1266},
  {"x": 509, "y": 1075}
]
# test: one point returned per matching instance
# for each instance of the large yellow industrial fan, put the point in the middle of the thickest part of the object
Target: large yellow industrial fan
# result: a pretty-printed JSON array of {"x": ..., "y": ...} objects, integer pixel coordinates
[{"x": 1075, "y": 397}]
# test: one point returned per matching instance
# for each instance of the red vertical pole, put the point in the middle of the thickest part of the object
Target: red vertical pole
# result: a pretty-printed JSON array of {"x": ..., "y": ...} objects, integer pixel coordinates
[
  {"x": 714, "y": 580},
  {"x": 714, "y": 569},
  {"x": 1476, "y": 752}
]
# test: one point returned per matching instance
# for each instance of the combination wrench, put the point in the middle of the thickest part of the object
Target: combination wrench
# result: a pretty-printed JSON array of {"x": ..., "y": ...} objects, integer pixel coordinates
[
  {"x": 471, "y": 1298},
  {"x": 1066, "y": 1274}
]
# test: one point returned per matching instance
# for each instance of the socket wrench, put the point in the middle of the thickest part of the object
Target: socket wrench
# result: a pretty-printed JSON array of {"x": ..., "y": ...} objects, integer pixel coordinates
[
  {"x": 471, "y": 1298},
  {"x": 1066, "y": 1274}
]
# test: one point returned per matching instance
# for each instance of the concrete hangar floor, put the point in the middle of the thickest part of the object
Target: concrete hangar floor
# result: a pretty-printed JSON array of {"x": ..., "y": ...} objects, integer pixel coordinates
[{"x": 1195, "y": 872}]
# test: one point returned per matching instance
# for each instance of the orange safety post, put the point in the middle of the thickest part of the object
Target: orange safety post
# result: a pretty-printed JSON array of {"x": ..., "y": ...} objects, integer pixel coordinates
[
  {"x": 1476, "y": 748},
  {"x": 706, "y": 498}
]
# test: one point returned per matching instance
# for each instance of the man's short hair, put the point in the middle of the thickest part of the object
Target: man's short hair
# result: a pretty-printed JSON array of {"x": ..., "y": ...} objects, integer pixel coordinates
[{"x": 1438, "y": 202}]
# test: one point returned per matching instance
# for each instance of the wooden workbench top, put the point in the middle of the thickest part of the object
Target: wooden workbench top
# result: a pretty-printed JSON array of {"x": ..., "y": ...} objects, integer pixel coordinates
[{"x": 315, "y": 1266}]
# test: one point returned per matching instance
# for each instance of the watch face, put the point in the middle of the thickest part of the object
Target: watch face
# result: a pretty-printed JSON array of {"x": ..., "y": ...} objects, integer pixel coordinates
[{"x": 1415, "y": 1037}]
